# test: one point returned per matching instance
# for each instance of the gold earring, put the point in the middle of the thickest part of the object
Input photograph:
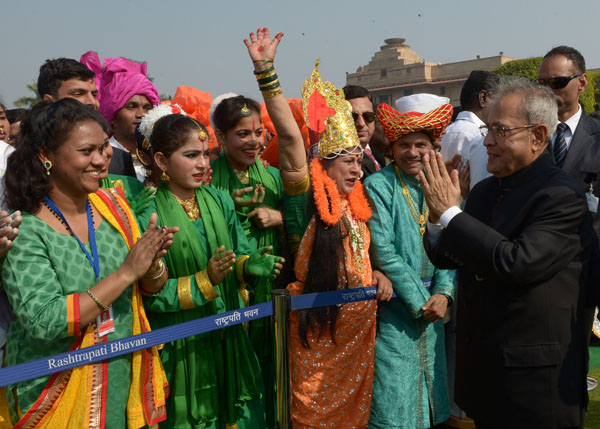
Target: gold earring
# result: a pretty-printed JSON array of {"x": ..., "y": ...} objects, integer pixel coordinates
[
  {"x": 48, "y": 167},
  {"x": 164, "y": 176}
]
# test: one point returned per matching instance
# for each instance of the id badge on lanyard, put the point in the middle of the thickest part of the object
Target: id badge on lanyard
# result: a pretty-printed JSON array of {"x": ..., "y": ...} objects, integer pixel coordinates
[
  {"x": 105, "y": 322},
  {"x": 592, "y": 200}
]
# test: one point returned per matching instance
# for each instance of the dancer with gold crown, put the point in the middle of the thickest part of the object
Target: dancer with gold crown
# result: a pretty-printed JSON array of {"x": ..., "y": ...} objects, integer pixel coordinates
[
  {"x": 327, "y": 343},
  {"x": 410, "y": 386},
  {"x": 332, "y": 348}
]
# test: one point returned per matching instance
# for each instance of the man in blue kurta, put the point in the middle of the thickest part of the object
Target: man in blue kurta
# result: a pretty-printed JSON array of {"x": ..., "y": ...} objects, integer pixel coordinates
[{"x": 410, "y": 386}]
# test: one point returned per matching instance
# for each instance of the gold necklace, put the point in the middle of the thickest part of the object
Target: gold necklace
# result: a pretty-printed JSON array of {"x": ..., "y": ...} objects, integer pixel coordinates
[
  {"x": 190, "y": 207},
  {"x": 243, "y": 176},
  {"x": 421, "y": 217},
  {"x": 356, "y": 232}
]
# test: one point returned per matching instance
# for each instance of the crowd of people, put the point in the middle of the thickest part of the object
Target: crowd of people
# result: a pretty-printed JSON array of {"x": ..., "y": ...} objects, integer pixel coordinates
[{"x": 124, "y": 214}]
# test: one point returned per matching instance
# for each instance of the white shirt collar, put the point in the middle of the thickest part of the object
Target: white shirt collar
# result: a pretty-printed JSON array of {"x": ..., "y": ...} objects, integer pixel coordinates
[
  {"x": 467, "y": 115},
  {"x": 115, "y": 143},
  {"x": 573, "y": 121}
]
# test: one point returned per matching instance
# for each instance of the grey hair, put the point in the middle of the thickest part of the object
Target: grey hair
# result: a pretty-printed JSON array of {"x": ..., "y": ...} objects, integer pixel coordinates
[{"x": 538, "y": 102}]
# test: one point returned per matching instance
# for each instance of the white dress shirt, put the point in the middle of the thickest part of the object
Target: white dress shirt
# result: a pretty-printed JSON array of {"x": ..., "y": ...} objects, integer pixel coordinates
[
  {"x": 460, "y": 133},
  {"x": 478, "y": 158}
]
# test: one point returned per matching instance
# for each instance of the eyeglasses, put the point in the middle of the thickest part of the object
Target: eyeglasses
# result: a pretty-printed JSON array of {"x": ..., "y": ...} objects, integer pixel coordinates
[
  {"x": 367, "y": 116},
  {"x": 500, "y": 131},
  {"x": 558, "y": 82}
]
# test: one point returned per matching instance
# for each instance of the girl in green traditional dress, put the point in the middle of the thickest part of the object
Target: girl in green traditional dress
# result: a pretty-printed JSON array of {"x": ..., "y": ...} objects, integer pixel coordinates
[
  {"x": 257, "y": 193},
  {"x": 215, "y": 378}
]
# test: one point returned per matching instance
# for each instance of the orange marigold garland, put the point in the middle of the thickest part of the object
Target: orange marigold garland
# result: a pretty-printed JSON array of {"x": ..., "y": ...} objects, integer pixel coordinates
[
  {"x": 328, "y": 200},
  {"x": 326, "y": 192},
  {"x": 358, "y": 203}
]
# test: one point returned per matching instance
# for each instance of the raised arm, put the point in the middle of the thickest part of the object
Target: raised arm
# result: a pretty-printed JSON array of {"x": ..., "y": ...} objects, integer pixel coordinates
[{"x": 292, "y": 155}]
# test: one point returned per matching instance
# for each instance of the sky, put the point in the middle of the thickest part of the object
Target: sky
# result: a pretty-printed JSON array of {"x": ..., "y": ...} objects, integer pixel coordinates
[{"x": 199, "y": 43}]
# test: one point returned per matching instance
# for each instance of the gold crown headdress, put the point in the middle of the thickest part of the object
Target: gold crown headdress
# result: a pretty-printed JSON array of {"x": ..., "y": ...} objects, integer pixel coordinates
[{"x": 327, "y": 112}]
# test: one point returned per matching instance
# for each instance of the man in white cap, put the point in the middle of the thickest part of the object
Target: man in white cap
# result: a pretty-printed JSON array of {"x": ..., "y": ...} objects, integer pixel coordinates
[{"x": 422, "y": 103}]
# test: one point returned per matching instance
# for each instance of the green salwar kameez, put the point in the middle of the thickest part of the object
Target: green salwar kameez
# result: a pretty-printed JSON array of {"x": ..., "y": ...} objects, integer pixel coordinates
[
  {"x": 215, "y": 378},
  {"x": 260, "y": 331}
]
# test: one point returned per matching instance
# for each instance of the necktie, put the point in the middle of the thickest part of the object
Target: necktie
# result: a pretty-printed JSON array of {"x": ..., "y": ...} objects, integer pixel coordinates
[
  {"x": 370, "y": 155},
  {"x": 560, "y": 145}
]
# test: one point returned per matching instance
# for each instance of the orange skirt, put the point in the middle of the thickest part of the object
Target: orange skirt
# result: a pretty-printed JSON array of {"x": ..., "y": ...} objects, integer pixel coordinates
[{"x": 332, "y": 382}]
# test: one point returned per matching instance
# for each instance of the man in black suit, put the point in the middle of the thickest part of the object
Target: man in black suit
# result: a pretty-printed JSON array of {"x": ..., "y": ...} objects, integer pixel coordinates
[
  {"x": 364, "y": 116},
  {"x": 524, "y": 251},
  {"x": 65, "y": 77},
  {"x": 563, "y": 71}
]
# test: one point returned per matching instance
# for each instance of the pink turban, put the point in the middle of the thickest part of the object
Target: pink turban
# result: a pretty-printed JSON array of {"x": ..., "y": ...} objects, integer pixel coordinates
[{"x": 117, "y": 81}]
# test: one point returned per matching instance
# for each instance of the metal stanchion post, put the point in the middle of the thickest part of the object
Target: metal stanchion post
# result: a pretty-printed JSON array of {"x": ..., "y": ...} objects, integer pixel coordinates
[{"x": 281, "y": 315}]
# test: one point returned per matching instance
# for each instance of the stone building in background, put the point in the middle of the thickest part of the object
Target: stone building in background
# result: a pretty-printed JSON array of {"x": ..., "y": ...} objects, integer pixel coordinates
[{"x": 396, "y": 71}]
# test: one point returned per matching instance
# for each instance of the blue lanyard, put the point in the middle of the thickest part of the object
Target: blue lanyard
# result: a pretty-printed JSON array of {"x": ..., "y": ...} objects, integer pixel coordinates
[{"x": 94, "y": 261}]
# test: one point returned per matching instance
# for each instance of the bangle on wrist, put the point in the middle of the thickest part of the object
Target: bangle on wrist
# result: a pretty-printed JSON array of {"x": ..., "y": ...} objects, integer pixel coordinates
[
  {"x": 146, "y": 292},
  {"x": 162, "y": 268},
  {"x": 272, "y": 92},
  {"x": 96, "y": 300},
  {"x": 266, "y": 80},
  {"x": 266, "y": 77},
  {"x": 240, "y": 268},
  {"x": 259, "y": 74},
  {"x": 270, "y": 86},
  {"x": 262, "y": 61}
]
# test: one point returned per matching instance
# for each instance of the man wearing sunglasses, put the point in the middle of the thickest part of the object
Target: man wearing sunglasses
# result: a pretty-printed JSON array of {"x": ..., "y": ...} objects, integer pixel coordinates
[
  {"x": 364, "y": 121},
  {"x": 576, "y": 142}
]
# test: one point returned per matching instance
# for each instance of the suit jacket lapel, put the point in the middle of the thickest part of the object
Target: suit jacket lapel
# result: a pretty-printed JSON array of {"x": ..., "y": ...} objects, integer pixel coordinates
[
  {"x": 368, "y": 165},
  {"x": 583, "y": 138}
]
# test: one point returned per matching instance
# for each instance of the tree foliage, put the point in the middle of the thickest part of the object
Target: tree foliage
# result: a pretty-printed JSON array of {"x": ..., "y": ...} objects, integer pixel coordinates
[
  {"x": 527, "y": 68},
  {"x": 26, "y": 102}
]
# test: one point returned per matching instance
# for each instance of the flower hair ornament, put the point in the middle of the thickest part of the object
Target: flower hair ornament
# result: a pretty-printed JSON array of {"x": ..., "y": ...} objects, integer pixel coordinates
[
  {"x": 329, "y": 114},
  {"x": 328, "y": 199},
  {"x": 147, "y": 123},
  {"x": 216, "y": 103}
]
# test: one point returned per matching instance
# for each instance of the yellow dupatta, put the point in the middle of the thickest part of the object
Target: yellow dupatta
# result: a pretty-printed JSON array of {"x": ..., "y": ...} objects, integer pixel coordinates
[{"x": 77, "y": 397}]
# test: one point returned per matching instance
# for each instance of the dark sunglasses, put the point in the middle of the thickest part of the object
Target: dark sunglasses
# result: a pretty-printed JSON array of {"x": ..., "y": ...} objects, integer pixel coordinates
[
  {"x": 557, "y": 82},
  {"x": 367, "y": 116}
]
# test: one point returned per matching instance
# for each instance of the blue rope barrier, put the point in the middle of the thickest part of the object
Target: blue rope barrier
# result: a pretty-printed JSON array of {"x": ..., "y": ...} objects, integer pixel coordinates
[
  {"x": 336, "y": 297},
  {"x": 99, "y": 352}
]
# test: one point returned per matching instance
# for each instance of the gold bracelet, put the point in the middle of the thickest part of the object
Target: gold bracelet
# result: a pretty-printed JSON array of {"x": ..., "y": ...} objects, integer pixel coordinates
[
  {"x": 266, "y": 74},
  {"x": 163, "y": 268},
  {"x": 272, "y": 92},
  {"x": 240, "y": 264},
  {"x": 96, "y": 300},
  {"x": 266, "y": 86}
]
